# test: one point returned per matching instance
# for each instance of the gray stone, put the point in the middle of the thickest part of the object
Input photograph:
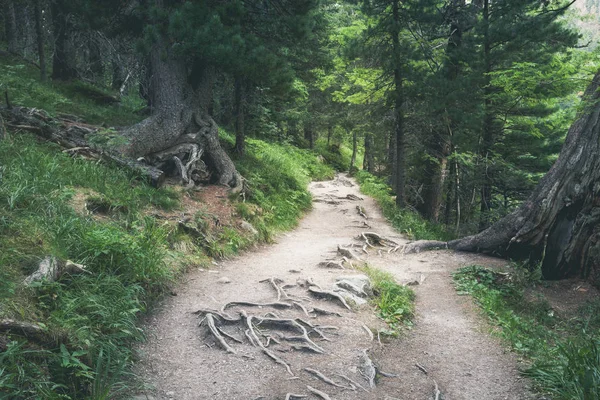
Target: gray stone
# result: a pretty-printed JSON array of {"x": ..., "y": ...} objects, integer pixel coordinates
[
  {"x": 351, "y": 298},
  {"x": 247, "y": 226},
  {"x": 359, "y": 285},
  {"x": 224, "y": 280}
]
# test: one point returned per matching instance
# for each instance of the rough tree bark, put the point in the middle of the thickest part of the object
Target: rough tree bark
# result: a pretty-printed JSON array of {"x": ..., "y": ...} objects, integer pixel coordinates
[
  {"x": 400, "y": 159},
  {"x": 180, "y": 129},
  {"x": 39, "y": 33},
  {"x": 440, "y": 141},
  {"x": 559, "y": 224},
  {"x": 354, "y": 150},
  {"x": 63, "y": 63},
  {"x": 309, "y": 134},
  {"x": 368, "y": 163},
  {"x": 239, "y": 111},
  {"x": 10, "y": 25}
]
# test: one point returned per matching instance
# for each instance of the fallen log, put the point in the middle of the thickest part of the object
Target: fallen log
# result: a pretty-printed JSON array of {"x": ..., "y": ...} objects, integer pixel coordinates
[{"x": 69, "y": 134}]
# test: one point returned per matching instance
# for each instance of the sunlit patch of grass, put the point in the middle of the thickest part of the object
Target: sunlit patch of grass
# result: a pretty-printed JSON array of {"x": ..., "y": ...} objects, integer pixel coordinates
[{"x": 394, "y": 302}]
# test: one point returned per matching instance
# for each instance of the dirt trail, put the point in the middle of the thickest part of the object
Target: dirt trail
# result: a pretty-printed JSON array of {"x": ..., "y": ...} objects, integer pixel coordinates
[{"x": 182, "y": 361}]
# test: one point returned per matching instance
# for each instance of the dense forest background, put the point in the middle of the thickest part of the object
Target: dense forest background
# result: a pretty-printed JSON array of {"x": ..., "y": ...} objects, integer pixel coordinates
[{"x": 461, "y": 105}]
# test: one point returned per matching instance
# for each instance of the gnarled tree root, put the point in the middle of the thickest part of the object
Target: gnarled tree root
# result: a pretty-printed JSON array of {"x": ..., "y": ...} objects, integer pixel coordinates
[
  {"x": 317, "y": 392},
  {"x": 328, "y": 380},
  {"x": 328, "y": 294}
]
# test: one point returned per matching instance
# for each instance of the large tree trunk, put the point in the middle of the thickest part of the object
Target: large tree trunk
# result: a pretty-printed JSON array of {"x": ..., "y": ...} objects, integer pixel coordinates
[
  {"x": 487, "y": 135},
  {"x": 63, "y": 62},
  {"x": 559, "y": 224},
  {"x": 39, "y": 33},
  {"x": 440, "y": 141},
  {"x": 180, "y": 133},
  {"x": 239, "y": 111},
  {"x": 354, "y": 150},
  {"x": 368, "y": 163},
  {"x": 10, "y": 26},
  {"x": 400, "y": 158}
]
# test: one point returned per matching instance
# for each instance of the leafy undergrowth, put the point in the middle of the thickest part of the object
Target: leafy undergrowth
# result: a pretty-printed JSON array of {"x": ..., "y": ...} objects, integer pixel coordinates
[
  {"x": 21, "y": 83},
  {"x": 278, "y": 176},
  {"x": 337, "y": 155},
  {"x": 394, "y": 302},
  {"x": 563, "y": 351},
  {"x": 407, "y": 222}
]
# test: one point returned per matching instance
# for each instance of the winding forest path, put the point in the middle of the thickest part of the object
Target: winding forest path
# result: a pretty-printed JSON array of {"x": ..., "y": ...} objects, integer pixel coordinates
[{"x": 181, "y": 360}]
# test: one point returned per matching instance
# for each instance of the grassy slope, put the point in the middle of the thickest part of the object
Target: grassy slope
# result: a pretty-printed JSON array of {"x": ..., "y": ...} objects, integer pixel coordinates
[
  {"x": 133, "y": 258},
  {"x": 407, "y": 222},
  {"x": 563, "y": 351}
]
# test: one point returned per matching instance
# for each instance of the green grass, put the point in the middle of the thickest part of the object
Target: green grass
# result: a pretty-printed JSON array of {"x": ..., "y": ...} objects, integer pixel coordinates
[
  {"x": 562, "y": 351},
  {"x": 407, "y": 222},
  {"x": 337, "y": 155},
  {"x": 394, "y": 302},
  {"x": 97, "y": 313},
  {"x": 132, "y": 258},
  {"x": 21, "y": 81},
  {"x": 277, "y": 177}
]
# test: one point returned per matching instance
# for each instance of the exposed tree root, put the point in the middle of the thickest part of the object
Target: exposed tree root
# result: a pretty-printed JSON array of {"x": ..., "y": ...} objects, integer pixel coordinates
[
  {"x": 328, "y": 294},
  {"x": 327, "y": 380},
  {"x": 352, "y": 382},
  {"x": 224, "y": 318},
  {"x": 361, "y": 212},
  {"x": 347, "y": 253},
  {"x": 210, "y": 322},
  {"x": 436, "y": 391},
  {"x": 422, "y": 245},
  {"x": 373, "y": 239},
  {"x": 367, "y": 369},
  {"x": 301, "y": 306},
  {"x": 280, "y": 291},
  {"x": 250, "y": 304},
  {"x": 31, "y": 331},
  {"x": 369, "y": 331},
  {"x": 291, "y": 325},
  {"x": 317, "y": 392},
  {"x": 278, "y": 360},
  {"x": 292, "y": 396},
  {"x": 304, "y": 348},
  {"x": 321, "y": 311},
  {"x": 228, "y": 335},
  {"x": 330, "y": 264}
]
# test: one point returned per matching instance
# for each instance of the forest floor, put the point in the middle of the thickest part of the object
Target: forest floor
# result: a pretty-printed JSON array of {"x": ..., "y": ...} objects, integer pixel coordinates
[{"x": 448, "y": 341}]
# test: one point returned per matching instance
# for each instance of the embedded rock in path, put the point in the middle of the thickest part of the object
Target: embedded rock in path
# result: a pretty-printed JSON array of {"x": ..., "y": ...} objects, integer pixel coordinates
[{"x": 359, "y": 285}]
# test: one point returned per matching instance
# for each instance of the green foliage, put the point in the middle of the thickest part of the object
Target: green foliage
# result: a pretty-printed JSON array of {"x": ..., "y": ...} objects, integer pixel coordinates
[
  {"x": 407, "y": 222},
  {"x": 394, "y": 302},
  {"x": 128, "y": 256},
  {"x": 21, "y": 81},
  {"x": 277, "y": 176},
  {"x": 563, "y": 350}
]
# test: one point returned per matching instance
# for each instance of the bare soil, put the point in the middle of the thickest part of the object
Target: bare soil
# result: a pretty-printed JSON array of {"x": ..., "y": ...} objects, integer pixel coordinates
[{"x": 448, "y": 341}]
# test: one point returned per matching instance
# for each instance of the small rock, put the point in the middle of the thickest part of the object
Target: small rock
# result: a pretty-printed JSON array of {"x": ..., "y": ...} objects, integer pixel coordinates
[
  {"x": 294, "y": 271},
  {"x": 224, "y": 280},
  {"x": 350, "y": 297},
  {"x": 359, "y": 285},
  {"x": 247, "y": 226}
]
